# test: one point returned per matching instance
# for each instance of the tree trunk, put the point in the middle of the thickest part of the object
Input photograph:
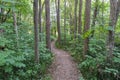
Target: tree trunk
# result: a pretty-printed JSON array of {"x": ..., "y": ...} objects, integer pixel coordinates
[
  {"x": 75, "y": 18},
  {"x": 95, "y": 13},
  {"x": 36, "y": 31},
  {"x": 70, "y": 24},
  {"x": 58, "y": 20},
  {"x": 40, "y": 27},
  {"x": 47, "y": 9},
  {"x": 111, "y": 32},
  {"x": 118, "y": 10},
  {"x": 80, "y": 17},
  {"x": 87, "y": 26},
  {"x": 64, "y": 20},
  {"x": 16, "y": 28}
]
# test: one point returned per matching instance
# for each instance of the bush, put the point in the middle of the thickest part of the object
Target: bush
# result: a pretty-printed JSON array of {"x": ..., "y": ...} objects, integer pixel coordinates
[
  {"x": 17, "y": 62},
  {"x": 95, "y": 66}
]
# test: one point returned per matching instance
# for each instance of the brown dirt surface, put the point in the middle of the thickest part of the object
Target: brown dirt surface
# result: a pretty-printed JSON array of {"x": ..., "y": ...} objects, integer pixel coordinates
[{"x": 63, "y": 67}]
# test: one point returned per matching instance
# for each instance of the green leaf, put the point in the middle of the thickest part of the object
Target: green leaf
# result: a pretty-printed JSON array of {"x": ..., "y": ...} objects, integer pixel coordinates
[
  {"x": 111, "y": 70},
  {"x": 10, "y": 60},
  {"x": 116, "y": 60},
  {"x": 110, "y": 28},
  {"x": 86, "y": 34},
  {"x": 2, "y": 58},
  {"x": 3, "y": 41},
  {"x": 20, "y": 58},
  {"x": 19, "y": 64},
  {"x": 8, "y": 69}
]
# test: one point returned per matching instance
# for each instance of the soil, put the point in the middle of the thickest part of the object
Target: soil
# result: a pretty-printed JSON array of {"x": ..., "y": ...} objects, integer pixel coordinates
[{"x": 63, "y": 66}]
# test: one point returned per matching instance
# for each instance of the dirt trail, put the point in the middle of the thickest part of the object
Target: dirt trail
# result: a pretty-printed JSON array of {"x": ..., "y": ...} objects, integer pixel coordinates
[{"x": 63, "y": 67}]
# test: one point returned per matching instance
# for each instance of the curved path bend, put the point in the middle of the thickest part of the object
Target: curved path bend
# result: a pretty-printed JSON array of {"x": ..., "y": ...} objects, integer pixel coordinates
[{"x": 63, "y": 67}]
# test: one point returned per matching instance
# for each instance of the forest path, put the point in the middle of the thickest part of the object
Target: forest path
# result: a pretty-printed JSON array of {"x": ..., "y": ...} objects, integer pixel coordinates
[{"x": 63, "y": 67}]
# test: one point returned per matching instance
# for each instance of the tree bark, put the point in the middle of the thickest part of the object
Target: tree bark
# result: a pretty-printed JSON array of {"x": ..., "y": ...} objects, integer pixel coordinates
[
  {"x": 75, "y": 18},
  {"x": 118, "y": 10},
  {"x": 95, "y": 13},
  {"x": 64, "y": 20},
  {"x": 47, "y": 10},
  {"x": 58, "y": 20},
  {"x": 36, "y": 31},
  {"x": 16, "y": 28},
  {"x": 111, "y": 32},
  {"x": 40, "y": 27},
  {"x": 80, "y": 17},
  {"x": 87, "y": 26}
]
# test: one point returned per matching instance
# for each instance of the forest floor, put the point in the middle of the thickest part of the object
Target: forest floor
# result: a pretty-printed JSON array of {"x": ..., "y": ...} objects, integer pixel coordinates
[{"x": 63, "y": 66}]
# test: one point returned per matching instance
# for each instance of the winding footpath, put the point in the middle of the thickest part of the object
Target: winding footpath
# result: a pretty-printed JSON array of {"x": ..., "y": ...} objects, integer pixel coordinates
[{"x": 63, "y": 67}]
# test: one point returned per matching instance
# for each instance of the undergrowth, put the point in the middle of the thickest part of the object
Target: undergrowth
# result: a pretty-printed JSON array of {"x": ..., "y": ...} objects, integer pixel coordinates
[
  {"x": 17, "y": 61},
  {"x": 95, "y": 66}
]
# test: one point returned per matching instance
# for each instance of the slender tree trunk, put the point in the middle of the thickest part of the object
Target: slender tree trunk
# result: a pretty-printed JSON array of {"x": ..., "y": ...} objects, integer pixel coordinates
[
  {"x": 16, "y": 28},
  {"x": 36, "y": 31},
  {"x": 80, "y": 17},
  {"x": 47, "y": 9},
  {"x": 95, "y": 13},
  {"x": 71, "y": 21},
  {"x": 58, "y": 20},
  {"x": 111, "y": 32},
  {"x": 40, "y": 27},
  {"x": 75, "y": 18},
  {"x": 64, "y": 20},
  {"x": 87, "y": 26},
  {"x": 70, "y": 24},
  {"x": 118, "y": 10}
]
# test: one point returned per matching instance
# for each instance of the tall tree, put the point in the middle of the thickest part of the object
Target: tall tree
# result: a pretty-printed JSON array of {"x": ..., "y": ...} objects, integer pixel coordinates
[
  {"x": 64, "y": 20},
  {"x": 47, "y": 10},
  {"x": 36, "y": 31},
  {"x": 111, "y": 32},
  {"x": 15, "y": 28},
  {"x": 75, "y": 18},
  {"x": 118, "y": 10},
  {"x": 80, "y": 17},
  {"x": 95, "y": 13},
  {"x": 58, "y": 19},
  {"x": 40, "y": 11},
  {"x": 86, "y": 26}
]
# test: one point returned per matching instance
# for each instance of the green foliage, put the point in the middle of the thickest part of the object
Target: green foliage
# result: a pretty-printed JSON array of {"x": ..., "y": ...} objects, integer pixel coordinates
[
  {"x": 3, "y": 41},
  {"x": 21, "y": 66},
  {"x": 110, "y": 28},
  {"x": 95, "y": 66},
  {"x": 81, "y": 78},
  {"x": 17, "y": 63},
  {"x": 87, "y": 34}
]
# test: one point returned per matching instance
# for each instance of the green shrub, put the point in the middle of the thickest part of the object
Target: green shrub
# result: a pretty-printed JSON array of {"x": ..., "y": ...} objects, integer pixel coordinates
[
  {"x": 17, "y": 62},
  {"x": 95, "y": 66}
]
